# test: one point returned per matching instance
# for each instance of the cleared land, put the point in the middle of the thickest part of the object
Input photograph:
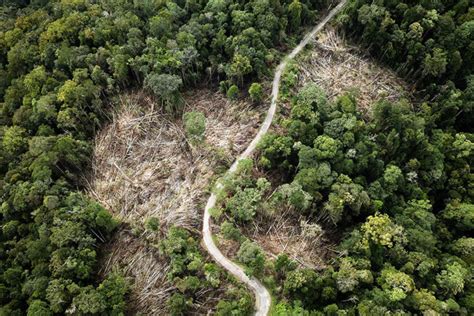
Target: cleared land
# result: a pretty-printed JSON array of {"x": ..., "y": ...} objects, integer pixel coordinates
[
  {"x": 143, "y": 166},
  {"x": 338, "y": 67}
]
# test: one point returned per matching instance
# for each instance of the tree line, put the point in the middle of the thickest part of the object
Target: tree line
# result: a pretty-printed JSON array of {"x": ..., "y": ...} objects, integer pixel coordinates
[
  {"x": 60, "y": 61},
  {"x": 398, "y": 186},
  {"x": 398, "y": 191},
  {"x": 431, "y": 43}
]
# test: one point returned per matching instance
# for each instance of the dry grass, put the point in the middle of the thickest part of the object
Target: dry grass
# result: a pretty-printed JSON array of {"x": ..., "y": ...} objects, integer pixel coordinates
[
  {"x": 143, "y": 166},
  {"x": 338, "y": 67}
]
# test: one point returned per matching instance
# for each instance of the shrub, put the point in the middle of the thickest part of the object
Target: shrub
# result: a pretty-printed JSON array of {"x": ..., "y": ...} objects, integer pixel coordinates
[
  {"x": 177, "y": 304},
  {"x": 252, "y": 256},
  {"x": 256, "y": 92},
  {"x": 194, "y": 125},
  {"x": 152, "y": 224},
  {"x": 229, "y": 231},
  {"x": 233, "y": 92}
]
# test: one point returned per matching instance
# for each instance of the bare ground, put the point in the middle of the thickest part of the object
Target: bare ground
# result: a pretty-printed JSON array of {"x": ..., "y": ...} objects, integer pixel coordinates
[
  {"x": 338, "y": 67},
  {"x": 143, "y": 167}
]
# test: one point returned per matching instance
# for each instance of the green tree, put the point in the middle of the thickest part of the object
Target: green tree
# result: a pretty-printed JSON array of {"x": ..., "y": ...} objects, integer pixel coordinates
[
  {"x": 295, "y": 10},
  {"x": 348, "y": 276},
  {"x": 397, "y": 285},
  {"x": 14, "y": 140},
  {"x": 314, "y": 179},
  {"x": 326, "y": 147},
  {"x": 435, "y": 64},
  {"x": 244, "y": 204},
  {"x": 256, "y": 92},
  {"x": 88, "y": 301},
  {"x": 346, "y": 195},
  {"x": 166, "y": 87},
  {"x": 113, "y": 290},
  {"x": 238, "y": 302},
  {"x": 253, "y": 257},
  {"x": 229, "y": 231},
  {"x": 460, "y": 215},
  {"x": 178, "y": 304},
  {"x": 452, "y": 279},
  {"x": 292, "y": 195},
  {"x": 239, "y": 67},
  {"x": 380, "y": 230},
  {"x": 38, "y": 307},
  {"x": 464, "y": 248},
  {"x": 233, "y": 92},
  {"x": 194, "y": 125},
  {"x": 302, "y": 285}
]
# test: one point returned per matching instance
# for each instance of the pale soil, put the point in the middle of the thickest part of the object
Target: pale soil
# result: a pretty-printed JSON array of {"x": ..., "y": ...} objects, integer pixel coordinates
[
  {"x": 280, "y": 234},
  {"x": 143, "y": 166}
]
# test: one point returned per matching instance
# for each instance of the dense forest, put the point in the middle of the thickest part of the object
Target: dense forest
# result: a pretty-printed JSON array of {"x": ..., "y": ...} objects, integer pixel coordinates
[
  {"x": 404, "y": 208},
  {"x": 398, "y": 186},
  {"x": 430, "y": 43},
  {"x": 59, "y": 60}
]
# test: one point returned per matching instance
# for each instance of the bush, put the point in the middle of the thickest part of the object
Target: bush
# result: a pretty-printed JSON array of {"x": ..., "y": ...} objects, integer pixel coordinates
[
  {"x": 229, "y": 231},
  {"x": 252, "y": 256},
  {"x": 256, "y": 92},
  {"x": 233, "y": 92},
  {"x": 239, "y": 303},
  {"x": 194, "y": 125},
  {"x": 188, "y": 284},
  {"x": 244, "y": 204},
  {"x": 177, "y": 304},
  {"x": 152, "y": 224}
]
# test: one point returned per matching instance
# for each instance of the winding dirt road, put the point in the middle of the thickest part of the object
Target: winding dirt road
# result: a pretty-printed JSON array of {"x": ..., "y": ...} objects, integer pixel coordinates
[{"x": 262, "y": 295}]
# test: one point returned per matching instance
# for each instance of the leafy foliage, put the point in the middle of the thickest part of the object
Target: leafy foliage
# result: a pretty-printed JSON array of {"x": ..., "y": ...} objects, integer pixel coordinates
[
  {"x": 194, "y": 125},
  {"x": 256, "y": 92},
  {"x": 59, "y": 61},
  {"x": 430, "y": 42},
  {"x": 190, "y": 273},
  {"x": 389, "y": 185},
  {"x": 252, "y": 256}
]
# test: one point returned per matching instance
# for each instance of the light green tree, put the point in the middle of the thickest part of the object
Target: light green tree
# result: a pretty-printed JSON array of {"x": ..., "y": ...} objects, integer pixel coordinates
[
  {"x": 256, "y": 92},
  {"x": 452, "y": 278},
  {"x": 233, "y": 92},
  {"x": 252, "y": 256},
  {"x": 397, "y": 285},
  {"x": 194, "y": 125}
]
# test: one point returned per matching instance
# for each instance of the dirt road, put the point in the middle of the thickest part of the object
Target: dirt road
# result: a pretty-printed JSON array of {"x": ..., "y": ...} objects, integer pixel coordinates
[{"x": 262, "y": 295}]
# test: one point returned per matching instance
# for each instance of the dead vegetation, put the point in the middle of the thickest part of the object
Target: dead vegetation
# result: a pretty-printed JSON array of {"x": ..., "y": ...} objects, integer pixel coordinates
[
  {"x": 338, "y": 67},
  {"x": 283, "y": 232},
  {"x": 144, "y": 167}
]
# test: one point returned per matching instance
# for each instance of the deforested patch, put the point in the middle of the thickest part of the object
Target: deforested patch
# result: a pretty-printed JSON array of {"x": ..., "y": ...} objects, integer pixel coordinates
[
  {"x": 339, "y": 67},
  {"x": 145, "y": 167}
]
